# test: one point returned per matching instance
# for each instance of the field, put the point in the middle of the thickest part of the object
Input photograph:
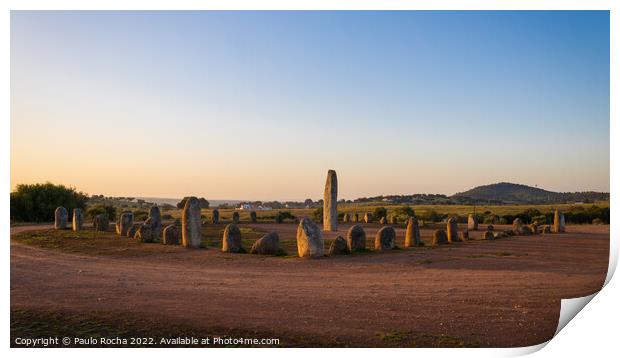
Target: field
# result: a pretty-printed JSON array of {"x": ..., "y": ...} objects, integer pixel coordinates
[
  {"x": 420, "y": 210},
  {"x": 478, "y": 293}
]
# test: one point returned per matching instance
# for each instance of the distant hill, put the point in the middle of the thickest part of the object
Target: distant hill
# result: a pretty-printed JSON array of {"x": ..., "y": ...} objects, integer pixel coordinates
[{"x": 509, "y": 193}]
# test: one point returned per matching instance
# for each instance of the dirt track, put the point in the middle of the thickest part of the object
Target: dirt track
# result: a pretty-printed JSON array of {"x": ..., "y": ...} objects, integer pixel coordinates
[{"x": 487, "y": 293}]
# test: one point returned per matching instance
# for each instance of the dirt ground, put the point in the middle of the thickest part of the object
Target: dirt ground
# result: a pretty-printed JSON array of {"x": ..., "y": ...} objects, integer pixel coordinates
[{"x": 499, "y": 293}]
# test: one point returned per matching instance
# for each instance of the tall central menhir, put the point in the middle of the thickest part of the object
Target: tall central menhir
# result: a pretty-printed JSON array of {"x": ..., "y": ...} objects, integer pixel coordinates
[{"x": 330, "y": 202}]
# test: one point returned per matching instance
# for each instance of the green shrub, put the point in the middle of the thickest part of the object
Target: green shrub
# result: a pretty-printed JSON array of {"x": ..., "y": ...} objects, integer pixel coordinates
[
  {"x": 283, "y": 215},
  {"x": 37, "y": 202},
  {"x": 101, "y": 209},
  {"x": 140, "y": 215},
  {"x": 317, "y": 215},
  {"x": 379, "y": 213}
]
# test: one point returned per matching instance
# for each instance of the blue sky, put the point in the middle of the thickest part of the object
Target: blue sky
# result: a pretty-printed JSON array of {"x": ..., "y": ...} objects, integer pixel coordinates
[{"x": 259, "y": 105}]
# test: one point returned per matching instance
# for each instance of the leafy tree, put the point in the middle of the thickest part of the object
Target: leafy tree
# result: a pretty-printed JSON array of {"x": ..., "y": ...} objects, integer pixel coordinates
[
  {"x": 37, "y": 202},
  {"x": 204, "y": 203}
]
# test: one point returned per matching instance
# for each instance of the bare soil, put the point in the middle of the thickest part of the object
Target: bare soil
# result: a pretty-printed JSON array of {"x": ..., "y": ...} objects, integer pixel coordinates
[{"x": 499, "y": 293}]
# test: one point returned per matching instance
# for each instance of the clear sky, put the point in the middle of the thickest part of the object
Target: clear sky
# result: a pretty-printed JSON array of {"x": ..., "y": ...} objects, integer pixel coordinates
[{"x": 259, "y": 105}]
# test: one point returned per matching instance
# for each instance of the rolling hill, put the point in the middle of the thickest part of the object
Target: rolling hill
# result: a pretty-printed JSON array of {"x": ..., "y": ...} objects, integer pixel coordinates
[{"x": 509, "y": 193}]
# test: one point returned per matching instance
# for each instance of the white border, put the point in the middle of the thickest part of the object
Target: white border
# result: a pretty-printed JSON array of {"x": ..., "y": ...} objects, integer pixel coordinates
[{"x": 593, "y": 330}]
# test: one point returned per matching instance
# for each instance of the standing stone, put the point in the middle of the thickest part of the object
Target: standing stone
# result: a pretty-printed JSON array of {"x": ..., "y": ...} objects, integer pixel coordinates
[
  {"x": 267, "y": 245},
  {"x": 516, "y": 224},
  {"x": 231, "y": 241},
  {"x": 309, "y": 239},
  {"x": 488, "y": 235},
  {"x": 170, "y": 235},
  {"x": 330, "y": 202},
  {"x": 385, "y": 238},
  {"x": 235, "y": 218},
  {"x": 144, "y": 232},
  {"x": 464, "y": 235},
  {"x": 383, "y": 221},
  {"x": 78, "y": 219},
  {"x": 472, "y": 222},
  {"x": 338, "y": 247},
  {"x": 190, "y": 224},
  {"x": 131, "y": 232},
  {"x": 440, "y": 237},
  {"x": 558, "y": 222},
  {"x": 368, "y": 218},
  {"x": 356, "y": 238},
  {"x": 345, "y": 218},
  {"x": 525, "y": 230},
  {"x": 60, "y": 218},
  {"x": 101, "y": 222},
  {"x": 452, "y": 230},
  {"x": 125, "y": 221},
  {"x": 253, "y": 216},
  {"x": 412, "y": 234},
  {"x": 393, "y": 220},
  {"x": 156, "y": 226},
  {"x": 215, "y": 217}
]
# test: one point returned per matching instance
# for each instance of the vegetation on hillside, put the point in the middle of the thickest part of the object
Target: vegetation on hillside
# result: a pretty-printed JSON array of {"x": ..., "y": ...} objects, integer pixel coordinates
[{"x": 509, "y": 193}]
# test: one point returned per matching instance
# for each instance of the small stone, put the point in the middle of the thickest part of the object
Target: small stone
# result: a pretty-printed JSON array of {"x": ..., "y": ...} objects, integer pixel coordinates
[
  {"x": 145, "y": 233},
  {"x": 356, "y": 239},
  {"x": 101, "y": 222},
  {"x": 356, "y": 218},
  {"x": 215, "y": 216},
  {"x": 231, "y": 242},
  {"x": 490, "y": 228},
  {"x": 516, "y": 224},
  {"x": 383, "y": 221},
  {"x": 464, "y": 235},
  {"x": 452, "y": 230},
  {"x": 488, "y": 235},
  {"x": 368, "y": 218},
  {"x": 156, "y": 225},
  {"x": 235, "y": 217},
  {"x": 253, "y": 216},
  {"x": 309, "y": 239},
  {"x": 558, "y": 222},
  {"x": 412, "y": 234},
  {"x": 60, "y": 218},
  {"x": 78, "y": 219},
  {"x": 131, "y": 232},
  {"x": 267, "y": 245},
  {"x": 440, "y": 237},
  {"x": 385, "y": 238},
  {"x": 170, "y": 235},
  {"x": 125, "y": 221},
  {"x": 345, "y": 218},
  {"x": 546, "y": 229},
  {"x": 472, "y": 222},
  {"x": 338, "y": 247}
]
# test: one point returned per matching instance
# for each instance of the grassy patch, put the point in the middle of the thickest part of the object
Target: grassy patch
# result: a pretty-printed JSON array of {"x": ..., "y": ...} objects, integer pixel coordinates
[{"x": 87, "y": 242}]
